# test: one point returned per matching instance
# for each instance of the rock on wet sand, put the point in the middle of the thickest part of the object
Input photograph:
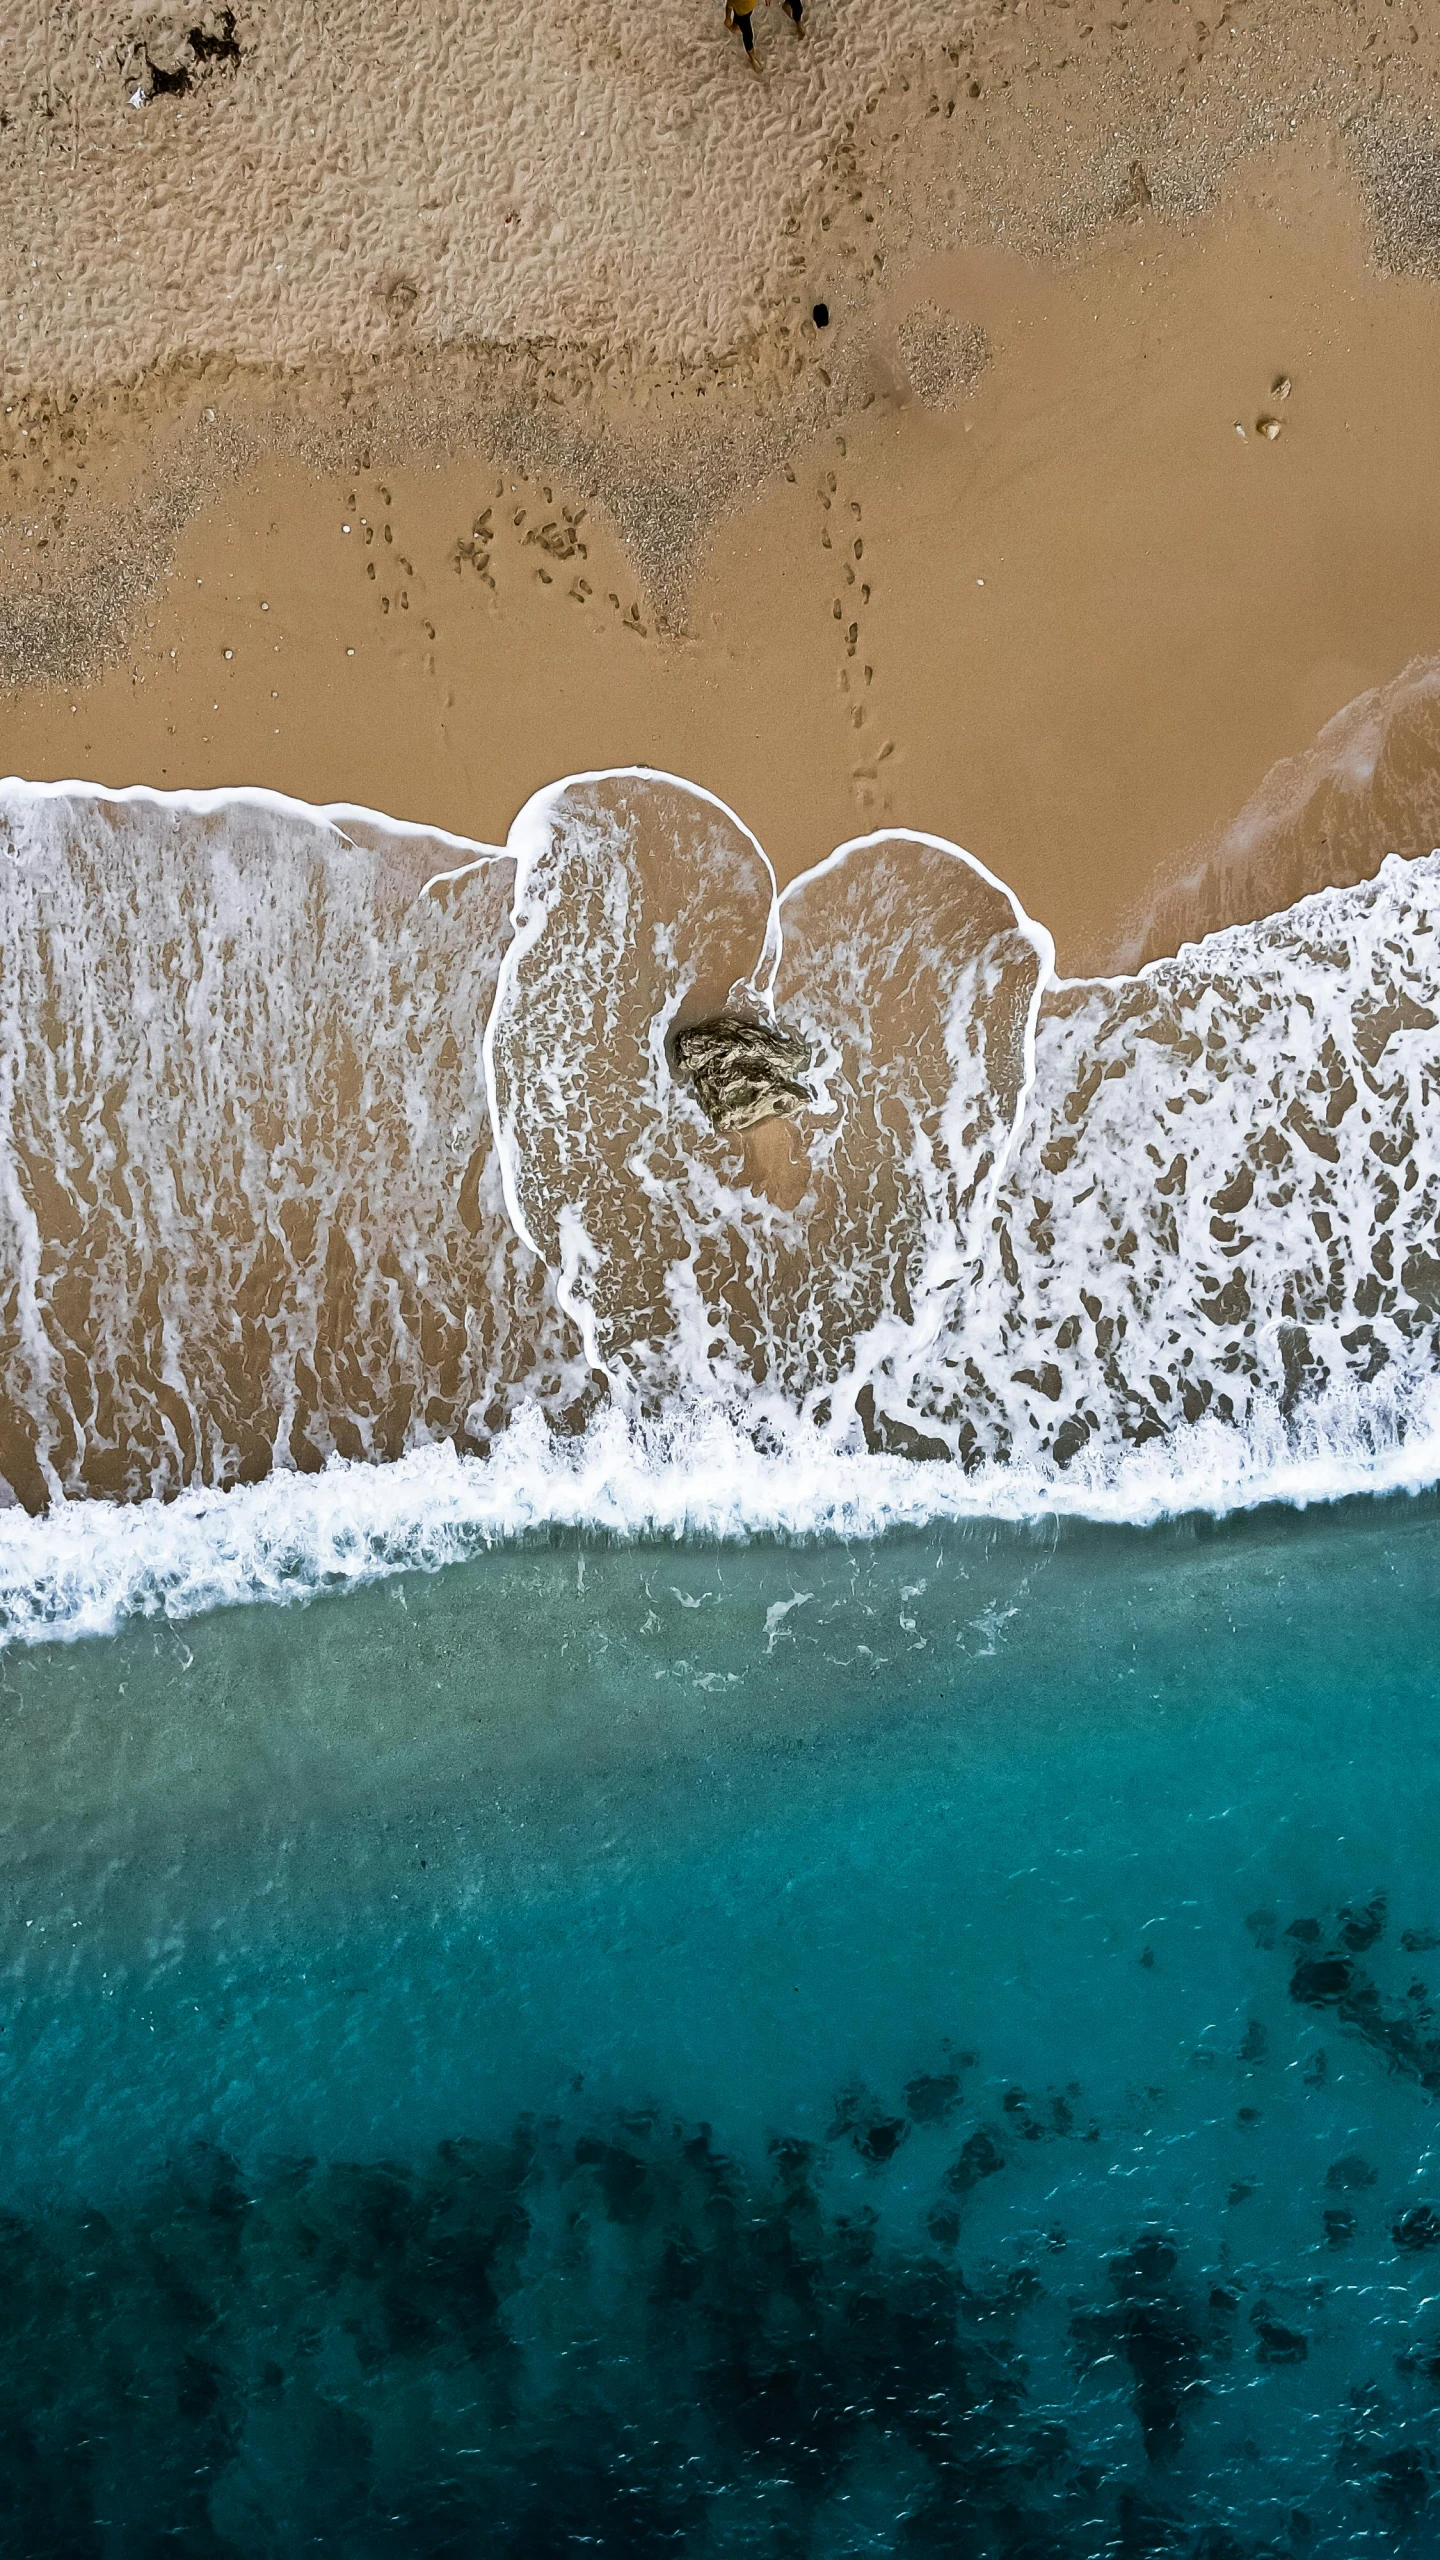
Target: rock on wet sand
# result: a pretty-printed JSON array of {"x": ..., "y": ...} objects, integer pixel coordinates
[{"x": 743, "y": 1072}]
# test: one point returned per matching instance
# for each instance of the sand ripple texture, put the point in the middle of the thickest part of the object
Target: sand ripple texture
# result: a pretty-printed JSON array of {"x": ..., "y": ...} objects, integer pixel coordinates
[
  {"x": 358, "y": 179},
  {"x": 322, "y": 1137}
]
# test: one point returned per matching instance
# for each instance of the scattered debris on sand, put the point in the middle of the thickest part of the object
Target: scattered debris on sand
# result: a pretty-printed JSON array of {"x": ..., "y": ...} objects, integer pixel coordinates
[
  {"x": 943, "y": 356},
  {"x": 184, "y": 53}
]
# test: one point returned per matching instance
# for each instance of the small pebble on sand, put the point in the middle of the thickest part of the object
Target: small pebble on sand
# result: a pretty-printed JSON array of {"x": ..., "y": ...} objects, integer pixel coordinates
[
  {"x": 1269, "y": 428},
  {"x": 1280, "y": 387}
]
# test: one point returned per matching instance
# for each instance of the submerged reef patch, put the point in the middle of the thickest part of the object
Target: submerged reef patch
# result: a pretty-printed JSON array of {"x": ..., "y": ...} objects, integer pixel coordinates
[{"x": 611, "y": 2333}]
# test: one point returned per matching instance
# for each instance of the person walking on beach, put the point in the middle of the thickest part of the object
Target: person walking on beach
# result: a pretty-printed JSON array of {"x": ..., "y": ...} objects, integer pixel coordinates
[{"x": 738, "y": 14}]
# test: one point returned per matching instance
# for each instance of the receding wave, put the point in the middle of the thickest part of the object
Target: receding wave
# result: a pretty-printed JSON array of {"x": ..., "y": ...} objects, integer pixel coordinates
[
  {"x": 700, "y": 1474},
  {"x": 326, "y": 1140}
]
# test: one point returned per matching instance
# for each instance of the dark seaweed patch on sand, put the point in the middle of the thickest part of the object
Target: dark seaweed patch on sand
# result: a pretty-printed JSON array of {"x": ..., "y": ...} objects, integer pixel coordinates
[{"x": 186, "y": 56}]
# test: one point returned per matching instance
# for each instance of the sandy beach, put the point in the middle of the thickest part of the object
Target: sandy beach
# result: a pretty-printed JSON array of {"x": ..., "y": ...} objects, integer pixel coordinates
[{"x": 1105, "y": 487}]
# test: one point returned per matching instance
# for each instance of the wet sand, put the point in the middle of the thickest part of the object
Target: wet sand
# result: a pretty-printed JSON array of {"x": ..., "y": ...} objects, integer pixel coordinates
[{"x": 1091, "y": 603}]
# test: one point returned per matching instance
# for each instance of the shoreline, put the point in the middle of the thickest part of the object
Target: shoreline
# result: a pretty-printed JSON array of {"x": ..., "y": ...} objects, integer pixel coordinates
[
  {"x": 300, "y": 1162},
  {"x": 87, "y": 1568}
]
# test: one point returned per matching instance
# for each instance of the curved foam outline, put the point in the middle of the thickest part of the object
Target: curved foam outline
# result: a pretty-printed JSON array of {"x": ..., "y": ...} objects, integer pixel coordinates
[
  {"x": 524, "y": 843},
  {"x": 333, "y": 813},
  {"x": 1039, "y": 937},
  {"x": 527, "y": 822},
  {"x": 1287, "y": 1478}
]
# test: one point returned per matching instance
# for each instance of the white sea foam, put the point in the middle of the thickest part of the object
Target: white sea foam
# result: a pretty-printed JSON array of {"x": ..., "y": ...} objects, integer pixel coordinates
[
  {"x": 311, "y": 1150},
  {"x": 85, "y": 1567},
  {"x": 250, "y": 1212}
]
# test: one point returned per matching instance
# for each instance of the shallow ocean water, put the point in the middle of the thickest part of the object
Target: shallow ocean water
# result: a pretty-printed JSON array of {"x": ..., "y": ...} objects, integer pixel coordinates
[{"x": 922, "y": 2046}]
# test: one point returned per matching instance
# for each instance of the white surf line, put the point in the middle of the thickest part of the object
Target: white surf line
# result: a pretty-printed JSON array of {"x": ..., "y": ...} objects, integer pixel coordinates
[{"x": 84, "y": 1568}]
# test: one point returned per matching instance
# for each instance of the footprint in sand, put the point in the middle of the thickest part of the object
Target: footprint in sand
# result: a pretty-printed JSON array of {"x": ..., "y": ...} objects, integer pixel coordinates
[
  {"x": 865, "y": 777},
  {"x": 559, "y": 538},
  {"x": 476, "y": 550},
  {"x": 630, "y": 621}
]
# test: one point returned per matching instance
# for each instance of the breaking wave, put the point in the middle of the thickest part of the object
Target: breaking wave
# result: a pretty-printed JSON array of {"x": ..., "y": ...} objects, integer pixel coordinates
[{"x": 326, "y": 1140}]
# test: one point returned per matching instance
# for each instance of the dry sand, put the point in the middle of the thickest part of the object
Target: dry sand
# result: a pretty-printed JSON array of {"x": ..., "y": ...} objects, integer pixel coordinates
[{"x": 524, "y": 304}]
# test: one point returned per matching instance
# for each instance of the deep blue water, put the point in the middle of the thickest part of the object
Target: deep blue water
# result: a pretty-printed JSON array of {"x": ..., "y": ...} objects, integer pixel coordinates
[{"x": 923, "y": 2048}]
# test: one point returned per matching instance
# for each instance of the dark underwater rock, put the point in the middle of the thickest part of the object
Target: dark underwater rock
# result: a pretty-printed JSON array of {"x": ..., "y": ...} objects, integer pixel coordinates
[
  {"x": 1277, "y": 2344},
  {"x": 933, "y": 2097},
  {"x": 743, "y": 1072}
]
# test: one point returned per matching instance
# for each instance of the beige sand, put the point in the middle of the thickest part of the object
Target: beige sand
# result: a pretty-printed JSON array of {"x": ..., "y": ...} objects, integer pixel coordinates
[
  {"x": 287, "y": 183},
  {"x": 1092, "y": 604}
]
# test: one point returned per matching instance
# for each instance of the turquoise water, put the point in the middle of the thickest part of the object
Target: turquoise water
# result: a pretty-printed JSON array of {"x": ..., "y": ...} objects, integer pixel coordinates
[{"x": 922, "y": 2047}]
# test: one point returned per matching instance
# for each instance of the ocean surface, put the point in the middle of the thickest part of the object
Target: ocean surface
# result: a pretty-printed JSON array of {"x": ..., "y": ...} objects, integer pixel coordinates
[
  {"x": 924, "y": 2045},
  {"x": 710, "y": 1846}
]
